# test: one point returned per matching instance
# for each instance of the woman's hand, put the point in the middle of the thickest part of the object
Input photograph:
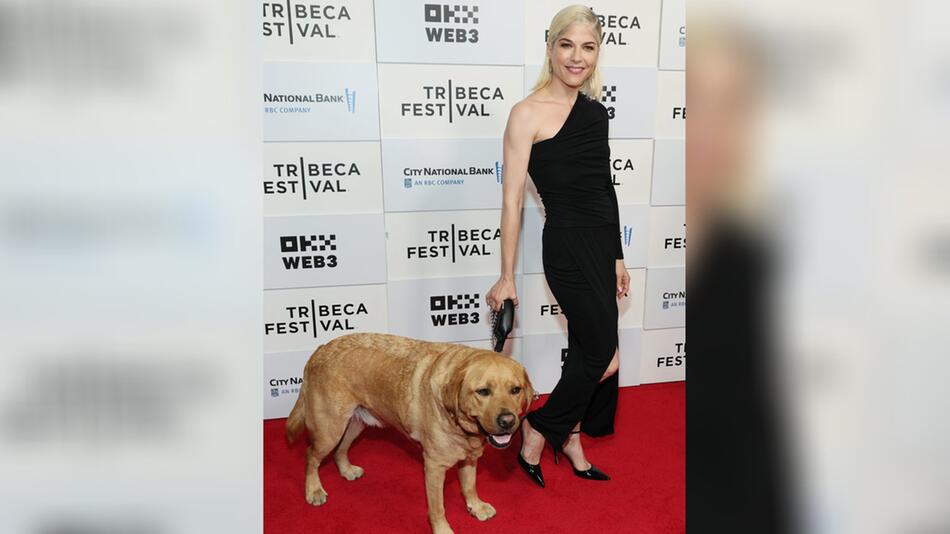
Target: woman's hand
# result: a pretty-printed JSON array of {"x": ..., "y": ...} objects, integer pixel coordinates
[
  {"x": 503, "y": 289},
  {"x": 623, "y": 279}
]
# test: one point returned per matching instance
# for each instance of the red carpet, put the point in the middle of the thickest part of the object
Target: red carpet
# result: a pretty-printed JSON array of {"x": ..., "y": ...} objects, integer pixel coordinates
[{"x": 645, "y": 459}]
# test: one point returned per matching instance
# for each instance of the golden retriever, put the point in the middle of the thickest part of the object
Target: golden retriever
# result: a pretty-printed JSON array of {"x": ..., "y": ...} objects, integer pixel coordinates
[{"x": 450, "y": 398}]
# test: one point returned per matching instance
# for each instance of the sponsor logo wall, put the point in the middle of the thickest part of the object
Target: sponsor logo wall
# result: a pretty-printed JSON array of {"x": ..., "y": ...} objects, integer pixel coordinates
[{"x": 383, "y": 173}]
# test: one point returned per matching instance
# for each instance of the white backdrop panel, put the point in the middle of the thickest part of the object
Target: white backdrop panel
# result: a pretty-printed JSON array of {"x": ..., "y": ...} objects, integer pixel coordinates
[
  {"x": 302, "y": 319},
  {"x": 307, "y": 101},
  {"x": 435, "y": 244},
  {"x": 303, "y": 178},
  {"x": 442, "y": 174},
  {"x": 322, "y": 250},
  {"x": 669, "y": 172},
  {"x": 487, "y": 32},
  {"x": 665, "y": 298},
  {"x": 671, "y": 105},
  {"x": 444, "y": 309},
  {"x": 446, "y": 101},
  {"x": 630, "y": 162},
  {"x": 283, "y": 372},
  {"x": 663, "y": 355},
  {"x": 667, "y": 236},
  {"x": 673, "y": 35},
  {"x": 319, "y": 31}
]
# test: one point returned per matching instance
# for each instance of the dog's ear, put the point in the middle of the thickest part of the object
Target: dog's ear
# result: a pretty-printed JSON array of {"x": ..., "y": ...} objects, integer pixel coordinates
[
  {"x": 452, "y": 388},
  {"x": 527, "y": 390}
]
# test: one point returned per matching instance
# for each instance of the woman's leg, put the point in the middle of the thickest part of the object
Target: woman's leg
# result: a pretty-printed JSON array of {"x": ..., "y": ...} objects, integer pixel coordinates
[{"x": 581, "y": 272}]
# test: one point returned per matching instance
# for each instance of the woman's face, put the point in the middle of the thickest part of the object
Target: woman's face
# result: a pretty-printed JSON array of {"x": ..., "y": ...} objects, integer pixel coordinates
[{"x": 574, "y": 54}]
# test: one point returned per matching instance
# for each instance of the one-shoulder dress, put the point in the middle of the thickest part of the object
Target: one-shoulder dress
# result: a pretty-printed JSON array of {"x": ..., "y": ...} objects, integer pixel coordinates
[{"x": 581, "y": 243}]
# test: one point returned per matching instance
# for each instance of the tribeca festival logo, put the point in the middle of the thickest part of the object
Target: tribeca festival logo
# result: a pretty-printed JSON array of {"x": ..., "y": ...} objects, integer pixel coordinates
[
  {"x": 295, "y": 22},
  {"x": 676, "y": 359},
  {"x": 454, "y": 310},
  {"x": 296, "y": 249},
  {"x": 563, "y": 355},
  {"x": 454, "y": 243},
  {"x": 674, "y": 242},
  {"x": 313, "y": 318},
  {"x": 674, "y": 299},
  {"x": 451, "y": 14},
  {"x": 452, "y": 102},
  {"x": 615, "y": 28},
  {"x": 619, "y": 165},
  {"x": 310, "y": 178},
  {"x": 298, "y": 102},
  {"x": 679, "y": 112},
  {"x": 445, "y": 176},
  {"x": 285, "y": 386}
]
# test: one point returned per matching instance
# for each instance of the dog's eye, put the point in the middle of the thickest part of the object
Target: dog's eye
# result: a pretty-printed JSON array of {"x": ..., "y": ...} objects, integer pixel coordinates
[
  {"x": 515, "y": 390},
  {"x": 484, "y": 392}
]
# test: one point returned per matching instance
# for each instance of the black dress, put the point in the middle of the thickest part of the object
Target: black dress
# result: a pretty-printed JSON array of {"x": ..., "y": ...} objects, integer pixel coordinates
[{"x": 580, "y": 246}]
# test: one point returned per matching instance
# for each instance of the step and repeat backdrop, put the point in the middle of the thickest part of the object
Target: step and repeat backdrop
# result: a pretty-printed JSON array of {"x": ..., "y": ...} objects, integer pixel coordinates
[{"x": 382, "y": 178}]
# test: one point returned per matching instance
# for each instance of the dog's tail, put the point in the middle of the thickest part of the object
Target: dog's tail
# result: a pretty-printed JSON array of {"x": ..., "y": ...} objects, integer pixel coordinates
[{"x": 295, "y": 421}]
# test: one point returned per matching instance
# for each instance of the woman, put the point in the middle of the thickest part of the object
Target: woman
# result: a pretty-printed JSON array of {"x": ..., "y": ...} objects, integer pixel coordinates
[{"x": 558, "y": 134}]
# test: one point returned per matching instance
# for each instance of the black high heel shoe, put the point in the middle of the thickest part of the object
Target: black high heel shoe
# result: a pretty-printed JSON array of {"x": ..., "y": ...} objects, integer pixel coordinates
[
  {"x": 533, "y": 470},
  {"x": 591, "y": 473}
]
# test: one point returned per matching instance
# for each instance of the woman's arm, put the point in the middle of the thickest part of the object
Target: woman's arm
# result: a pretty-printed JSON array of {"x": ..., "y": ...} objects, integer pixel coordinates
[
  {"x": 516, "y": 151},
  {"x": 517, "y": 148}
]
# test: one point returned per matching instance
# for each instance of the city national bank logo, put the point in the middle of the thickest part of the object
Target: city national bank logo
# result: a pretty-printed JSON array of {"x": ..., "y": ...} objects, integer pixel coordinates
[
  {"x": 310, "y": 178},
  {"x": 674, "y": 299},
  {"x": 682, "y": 40},
  {"x": 296, "y": 251},
  {"x": 452, "y": 102},
  {"x": 627, "y": 235},
  {"x": 304, "y": 102},
  {"x": 285, "y": 386},
  {"x": 677, "y": 359},
  {"x": 454, "y": 244},
  {"x": 446, "y": 176},
  {"x": 293, "y": 22},
  {"x": 313, "y": 318},
  {"x": 454, "y": 310},
  {"x": 451, "y": 14}
]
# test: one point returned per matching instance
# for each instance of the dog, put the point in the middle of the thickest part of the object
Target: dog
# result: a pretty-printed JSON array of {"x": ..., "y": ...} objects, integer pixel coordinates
[{"x": 448, "y": 397}]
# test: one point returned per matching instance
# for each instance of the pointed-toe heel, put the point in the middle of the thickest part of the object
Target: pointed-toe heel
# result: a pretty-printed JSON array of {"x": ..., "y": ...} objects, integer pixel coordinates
[
  {"x": 591, "y": 473},
  {"x": 533, "y": 470}
]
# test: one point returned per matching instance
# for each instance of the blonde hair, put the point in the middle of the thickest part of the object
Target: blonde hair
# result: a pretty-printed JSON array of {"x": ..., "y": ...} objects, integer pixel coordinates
[{"x": 573, "y": 13}]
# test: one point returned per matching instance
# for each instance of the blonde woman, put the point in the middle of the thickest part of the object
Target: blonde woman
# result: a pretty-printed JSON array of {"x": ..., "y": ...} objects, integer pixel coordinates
[{"x": 558, "y": 135}]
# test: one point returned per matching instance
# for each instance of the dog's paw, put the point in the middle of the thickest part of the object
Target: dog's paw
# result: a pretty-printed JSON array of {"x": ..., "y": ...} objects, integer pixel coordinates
[
  {"x": 352, "y": 472},
  {"x": 482, "y": 510},
  {"x": 317, "y": 497}
]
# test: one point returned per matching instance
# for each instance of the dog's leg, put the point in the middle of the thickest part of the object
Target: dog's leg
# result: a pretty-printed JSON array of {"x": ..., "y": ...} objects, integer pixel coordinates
[
  {"x": 348, "y": 470},
  {"x": 322, "y": 443},
  {"x": 477, "y": 507},
  {"x": 435, "y": 485}
]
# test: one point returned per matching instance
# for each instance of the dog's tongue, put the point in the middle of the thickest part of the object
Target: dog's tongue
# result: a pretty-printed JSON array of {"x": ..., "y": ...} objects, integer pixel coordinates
[{"x": 501, "y": 438}]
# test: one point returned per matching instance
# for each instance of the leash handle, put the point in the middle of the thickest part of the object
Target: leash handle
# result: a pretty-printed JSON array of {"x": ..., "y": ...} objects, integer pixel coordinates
[{"x": 502, "y": 321}]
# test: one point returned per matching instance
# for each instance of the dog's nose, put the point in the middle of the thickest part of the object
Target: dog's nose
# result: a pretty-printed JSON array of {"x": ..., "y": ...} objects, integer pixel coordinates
[{"x": 506, "y": 421}]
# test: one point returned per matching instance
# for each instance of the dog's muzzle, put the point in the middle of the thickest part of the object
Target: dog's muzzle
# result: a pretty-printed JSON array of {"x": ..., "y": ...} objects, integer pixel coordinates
[{"x": 498, "y": 441}]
